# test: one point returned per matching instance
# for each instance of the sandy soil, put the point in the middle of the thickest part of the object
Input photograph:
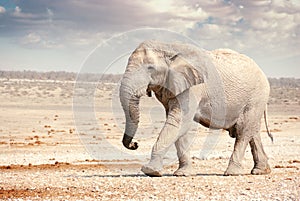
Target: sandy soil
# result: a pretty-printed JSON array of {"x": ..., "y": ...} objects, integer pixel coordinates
[{"x": 50, "y": 152}]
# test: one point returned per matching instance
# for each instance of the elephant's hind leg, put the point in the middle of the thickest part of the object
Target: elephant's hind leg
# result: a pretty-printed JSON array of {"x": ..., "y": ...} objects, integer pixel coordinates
[
  {"x": 247, "y": 126},
  {"x": 235, "y": 166},
  {"x": 260, "y": 158}
]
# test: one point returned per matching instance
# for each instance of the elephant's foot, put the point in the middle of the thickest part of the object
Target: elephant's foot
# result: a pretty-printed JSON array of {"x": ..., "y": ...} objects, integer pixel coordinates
[
  {"x": 261, "y": 169},
  {"x": 234, "y": 169},
  {"x": 150, "y": 171},
  {"x": 185, "y": 168},
  {"x": 184, "y": 171}
]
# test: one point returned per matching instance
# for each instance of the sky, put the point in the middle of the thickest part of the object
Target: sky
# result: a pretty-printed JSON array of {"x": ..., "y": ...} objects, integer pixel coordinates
[{"x": 58, "y": 35}]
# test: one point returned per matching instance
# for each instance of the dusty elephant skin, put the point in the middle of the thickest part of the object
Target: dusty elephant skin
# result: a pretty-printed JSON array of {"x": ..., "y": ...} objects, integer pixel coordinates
[{"x": 181, "y": 77}]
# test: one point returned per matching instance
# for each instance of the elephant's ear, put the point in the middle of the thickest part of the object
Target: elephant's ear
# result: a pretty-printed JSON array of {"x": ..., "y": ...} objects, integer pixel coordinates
[{"x": 182, "y": 74}]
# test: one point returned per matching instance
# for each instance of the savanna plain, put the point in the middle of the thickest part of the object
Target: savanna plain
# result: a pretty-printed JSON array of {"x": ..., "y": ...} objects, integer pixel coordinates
[{"x": 61, "y": 140}]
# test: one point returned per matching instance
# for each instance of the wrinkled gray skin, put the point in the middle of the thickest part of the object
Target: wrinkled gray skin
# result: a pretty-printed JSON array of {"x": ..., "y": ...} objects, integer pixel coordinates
[{"x": 179, "y": 75}]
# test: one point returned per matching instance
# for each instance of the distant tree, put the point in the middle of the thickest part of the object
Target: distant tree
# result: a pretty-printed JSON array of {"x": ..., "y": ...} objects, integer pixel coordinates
[{"x": 108, "y": 78}]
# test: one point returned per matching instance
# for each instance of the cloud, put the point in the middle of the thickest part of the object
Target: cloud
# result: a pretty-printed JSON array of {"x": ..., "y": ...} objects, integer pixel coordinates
[
  {"x": 31, "y": 38},
  {"x": 255, "y": 27},
  {"x": 276, "y": 27},
  {"x": 247, "y": 23},
  {"x": 19, "y": 14},
  {"x": 69, "y": 21},
  {"x": 263, "y": 28},
  {"x": 35, "y": 40},
  {"x": 50, "y": 15},
  {"x": 2, "y": 10}
]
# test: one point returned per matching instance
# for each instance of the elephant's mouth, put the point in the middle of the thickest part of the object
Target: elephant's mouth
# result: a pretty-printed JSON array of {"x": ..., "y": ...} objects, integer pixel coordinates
[{"x": 148, "y": 92}]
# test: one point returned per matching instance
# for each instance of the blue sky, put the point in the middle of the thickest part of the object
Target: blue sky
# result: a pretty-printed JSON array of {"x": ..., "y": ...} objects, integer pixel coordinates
[{"x": 52, "y": 35}]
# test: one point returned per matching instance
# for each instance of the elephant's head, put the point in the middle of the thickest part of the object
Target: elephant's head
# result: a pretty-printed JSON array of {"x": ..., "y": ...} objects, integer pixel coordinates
[{"x": 153, "y": 66}]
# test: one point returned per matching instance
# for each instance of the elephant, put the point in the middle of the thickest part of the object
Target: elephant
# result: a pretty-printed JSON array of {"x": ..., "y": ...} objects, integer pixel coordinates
[{"x": 188, "y": 81}]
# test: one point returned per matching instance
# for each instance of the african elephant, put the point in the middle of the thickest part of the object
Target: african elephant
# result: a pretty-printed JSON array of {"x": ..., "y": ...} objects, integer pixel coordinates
[{"x": 179, "y": 76}]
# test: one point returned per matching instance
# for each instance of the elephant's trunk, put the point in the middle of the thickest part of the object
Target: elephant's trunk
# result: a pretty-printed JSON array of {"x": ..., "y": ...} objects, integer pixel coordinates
[
  {"x": 129, "y": 97},
  {"x": 127, "y": 142}
]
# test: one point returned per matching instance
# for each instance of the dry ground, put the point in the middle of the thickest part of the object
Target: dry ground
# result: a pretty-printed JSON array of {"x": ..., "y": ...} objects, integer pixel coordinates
[{"x": 49, "y": 153}]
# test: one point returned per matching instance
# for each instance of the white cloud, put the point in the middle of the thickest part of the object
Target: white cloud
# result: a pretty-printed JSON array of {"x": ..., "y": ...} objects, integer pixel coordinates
[
  {"x": 31, "y": 38},
  {"x": 18, "y": 13},
  {"x": 268, "y": 31},
  {"x": 83, "y": 39},
  {"x": 35, "y": 40},
  {"x": 2, "y": 10},
  {"x": 235, "y": 23},
  {"x": 260, "y": 27},
  {"x": 50, "y": 14},
  {"x": 161, "y": 6},
  {"x": 177, "y": 10},
  {"x": 261, "y": 23}
]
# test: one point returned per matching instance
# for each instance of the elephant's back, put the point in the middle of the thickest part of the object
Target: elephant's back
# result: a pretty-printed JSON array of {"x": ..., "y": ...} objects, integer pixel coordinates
[
  {"x": 236, "y": 67},
  {"x": 236, "y": 64},
  {"x": 242, "y": 78}
]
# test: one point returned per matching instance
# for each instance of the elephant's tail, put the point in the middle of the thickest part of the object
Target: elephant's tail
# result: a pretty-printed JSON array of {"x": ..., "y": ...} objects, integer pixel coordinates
[{"x": 266, "y": 123}]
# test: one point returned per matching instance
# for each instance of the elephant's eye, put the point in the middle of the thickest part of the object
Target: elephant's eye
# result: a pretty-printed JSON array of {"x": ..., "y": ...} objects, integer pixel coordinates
[{"x": 151, "y": 68}]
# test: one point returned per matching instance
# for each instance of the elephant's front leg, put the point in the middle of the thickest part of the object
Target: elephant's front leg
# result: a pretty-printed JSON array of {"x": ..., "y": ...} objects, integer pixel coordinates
[
  {"x": 183, "y": 145},
  {"x": 167, "y": 136}
]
